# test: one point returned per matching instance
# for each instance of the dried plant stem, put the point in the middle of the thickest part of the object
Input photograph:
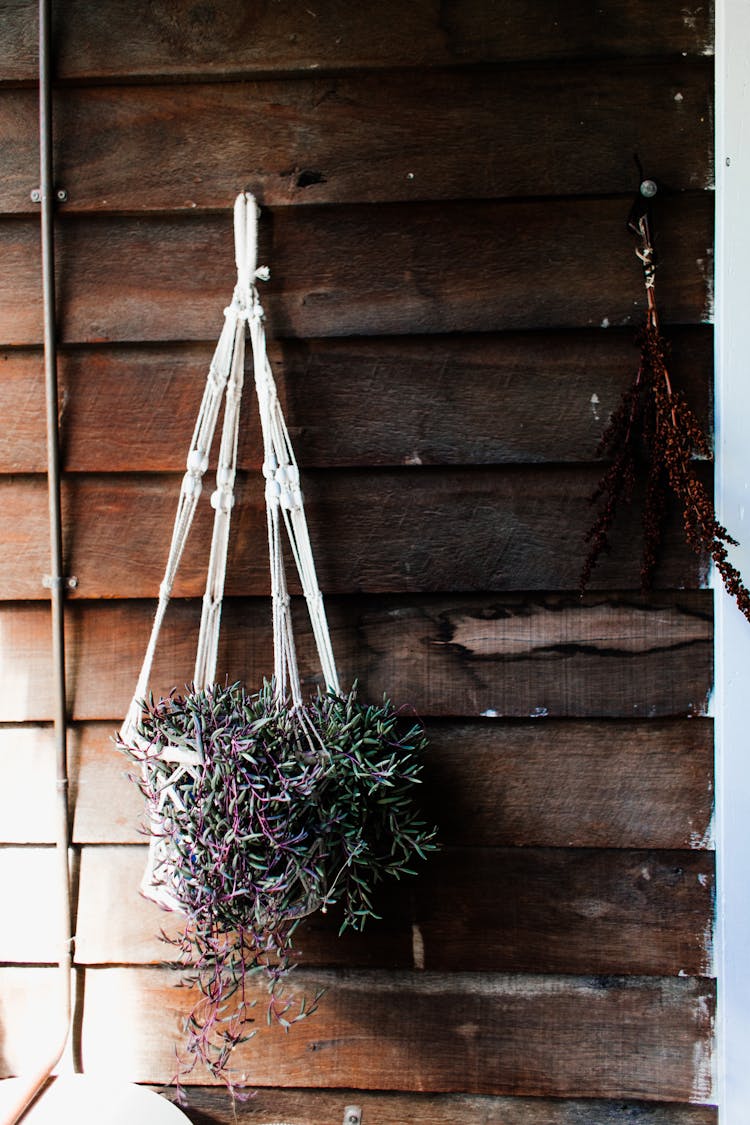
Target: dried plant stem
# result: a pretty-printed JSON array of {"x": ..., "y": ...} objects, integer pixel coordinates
[{"x": 654, "y": 434}]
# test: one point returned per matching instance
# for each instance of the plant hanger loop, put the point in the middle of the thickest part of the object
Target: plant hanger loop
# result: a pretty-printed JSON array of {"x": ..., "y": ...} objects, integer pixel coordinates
[{"x": 284, "y": 501}]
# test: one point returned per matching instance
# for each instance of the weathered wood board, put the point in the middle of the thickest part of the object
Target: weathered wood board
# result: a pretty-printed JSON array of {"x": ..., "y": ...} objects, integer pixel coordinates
[
  {"x": 107, "y": 41},
  {"x": 572, "y": 783},
  {"x": 312, "y": 1107},
  {"x": 361, "y": 270},
  {"x": 410, "y": 530},
  {"x": 336, "y": 140},
  {"x": 461, "y": 400},
  {"x": 505, "y": 656},
  {"x": 407, "y": 1031},
  {"x": 526, "y": 910},
  {"x": 426, "y": 1032},
  {"x": 321, "y": 1107}
]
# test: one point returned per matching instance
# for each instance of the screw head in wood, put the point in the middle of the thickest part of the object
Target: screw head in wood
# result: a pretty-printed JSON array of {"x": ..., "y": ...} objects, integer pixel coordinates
[{"x": 61, "y": 195}]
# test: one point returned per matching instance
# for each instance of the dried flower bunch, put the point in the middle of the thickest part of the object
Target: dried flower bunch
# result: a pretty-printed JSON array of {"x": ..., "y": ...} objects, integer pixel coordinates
[
  {"x": 289, "y": 810},
  {"x": 653, "y": 432}
]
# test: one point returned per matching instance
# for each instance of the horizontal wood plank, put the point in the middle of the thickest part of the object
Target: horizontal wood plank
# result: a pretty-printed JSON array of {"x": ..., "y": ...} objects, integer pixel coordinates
[
  {"x": 471, "y": 1033},
  {"x": 207, "y": 1106},
  {"x": 468, "y": 1032},
  {"x": 177, "y": 39},
  {"x": 537, "y": 910},
  {"x": 505, "y": 398},
  {"x": 571, "y": 783},
  {"x": 361, "y": 270},
  {"x": 533, "y": 910},
  {"x": 405, "y": 531},
  {"x": 553, "y": 784},
  {"x": 337, "y": 139},
  {"x": 506, "y": 656}
]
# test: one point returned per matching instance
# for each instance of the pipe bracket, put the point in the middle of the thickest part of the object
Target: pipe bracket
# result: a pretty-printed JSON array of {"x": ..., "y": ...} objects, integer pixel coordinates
[
  {"x": 61, "y": 195},
  {"x": 60, "y": 583}
]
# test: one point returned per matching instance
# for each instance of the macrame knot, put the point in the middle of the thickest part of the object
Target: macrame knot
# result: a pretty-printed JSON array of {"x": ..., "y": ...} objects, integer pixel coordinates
[
  {"x": 192, "y": 484},
  {"x": 222, "y": 500},
  {"x": 286, "y": 479},
  {"x": 246, "y": 304},
  {"x": 197, "y": 462}
]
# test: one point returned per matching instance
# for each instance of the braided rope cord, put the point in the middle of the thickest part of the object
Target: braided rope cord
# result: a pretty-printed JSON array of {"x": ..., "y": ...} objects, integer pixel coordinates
[{"x": 284, "y": 500}]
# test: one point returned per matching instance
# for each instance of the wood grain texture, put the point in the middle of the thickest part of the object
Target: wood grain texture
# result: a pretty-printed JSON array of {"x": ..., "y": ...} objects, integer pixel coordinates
[
  {"x": 177, "y": 39},
  {"x": 207, "y": 1106},
  {"x": 406, "y": 1031},
  {"x": 337, "y": 139},
  {"x": 575, "y": 784},
  {"x": 452, "y": 306},
  {"x": 473, "y": 1033},
  {"x": 490, "y": 399},
  {"x": 524, "y": 910},
  {"x": 508, "y": 656},
  {"x": 361, "y": 270},
  {"x": 412, "y": 530},
  {"x": 210, "y": 1106},
  {"x": 553, "y": 784}
]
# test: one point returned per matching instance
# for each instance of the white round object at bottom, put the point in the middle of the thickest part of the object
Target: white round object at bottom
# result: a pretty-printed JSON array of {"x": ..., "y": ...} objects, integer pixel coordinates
[{"x": 77, "y": 1099}]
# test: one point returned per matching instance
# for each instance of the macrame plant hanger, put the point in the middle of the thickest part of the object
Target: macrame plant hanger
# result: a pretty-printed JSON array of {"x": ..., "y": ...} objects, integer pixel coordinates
[{"x": 284, "y": 506}]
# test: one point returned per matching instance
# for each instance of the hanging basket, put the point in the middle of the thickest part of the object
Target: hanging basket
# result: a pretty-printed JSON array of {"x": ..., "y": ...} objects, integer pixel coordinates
[{"x": 262, "y": 806}]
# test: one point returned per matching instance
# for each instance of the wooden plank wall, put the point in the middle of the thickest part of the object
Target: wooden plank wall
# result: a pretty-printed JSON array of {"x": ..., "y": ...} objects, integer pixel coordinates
[{"x": 452, "y": 308}]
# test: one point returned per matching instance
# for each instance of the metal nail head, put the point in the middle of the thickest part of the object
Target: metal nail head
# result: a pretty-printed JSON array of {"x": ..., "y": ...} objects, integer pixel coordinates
[{"x": 648, "y": 189}]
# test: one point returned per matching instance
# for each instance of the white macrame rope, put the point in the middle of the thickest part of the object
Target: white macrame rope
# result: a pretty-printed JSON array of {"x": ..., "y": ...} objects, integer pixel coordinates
[
  {"x": 222, "y": 502},
  {"x": 190, "y": 491},
  {"x": 284, "y": 500}
]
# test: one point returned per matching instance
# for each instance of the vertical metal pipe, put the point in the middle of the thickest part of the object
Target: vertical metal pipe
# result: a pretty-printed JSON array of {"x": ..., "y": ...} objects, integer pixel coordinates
[
  {"x": 56, "y": 577},
  {"x": 30, "y": 1087}
]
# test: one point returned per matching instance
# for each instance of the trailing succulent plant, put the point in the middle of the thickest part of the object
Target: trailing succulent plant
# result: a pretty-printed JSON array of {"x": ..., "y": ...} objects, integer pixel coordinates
[
  {"x": 283, "y": 811},
  {"x": 653, "y": 433}
]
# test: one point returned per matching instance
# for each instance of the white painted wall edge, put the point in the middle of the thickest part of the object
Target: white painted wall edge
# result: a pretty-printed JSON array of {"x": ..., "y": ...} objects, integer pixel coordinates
[{"x": 731, "y": 701}]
